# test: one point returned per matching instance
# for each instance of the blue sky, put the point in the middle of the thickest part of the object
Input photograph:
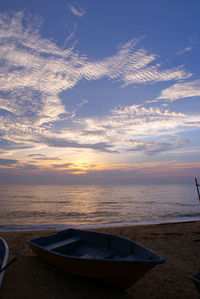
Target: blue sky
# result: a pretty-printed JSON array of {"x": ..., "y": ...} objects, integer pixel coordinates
[{"x": 99, "y": 91}]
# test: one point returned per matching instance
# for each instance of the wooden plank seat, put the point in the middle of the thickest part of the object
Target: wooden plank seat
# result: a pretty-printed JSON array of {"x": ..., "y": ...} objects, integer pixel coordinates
[
  {"x": 68, "y": 241},
  {"x": 137, "y": 258},
  {"x": 95, "y": 253}
]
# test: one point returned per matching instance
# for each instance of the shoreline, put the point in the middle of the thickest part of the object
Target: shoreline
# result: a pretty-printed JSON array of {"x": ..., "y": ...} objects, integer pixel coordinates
[
  {"x": 31, "y": 277},
  {"x": 5, "y": 228}
]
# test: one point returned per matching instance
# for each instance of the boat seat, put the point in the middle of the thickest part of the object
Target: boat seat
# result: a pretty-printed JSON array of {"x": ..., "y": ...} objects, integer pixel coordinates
[
  {"x": 97, "y": 254},
  {"x": 55, "y": 245},
  {"x": 110, "y": 255},
  {"x": 136, "y": 258}
]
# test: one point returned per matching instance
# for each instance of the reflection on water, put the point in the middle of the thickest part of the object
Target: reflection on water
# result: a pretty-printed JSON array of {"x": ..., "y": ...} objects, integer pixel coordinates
[{"x": 78, "y": 205}]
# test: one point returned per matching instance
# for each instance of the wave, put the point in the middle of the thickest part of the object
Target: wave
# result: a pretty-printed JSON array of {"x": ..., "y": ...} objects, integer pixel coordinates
[{"x": 101, "y": 225}]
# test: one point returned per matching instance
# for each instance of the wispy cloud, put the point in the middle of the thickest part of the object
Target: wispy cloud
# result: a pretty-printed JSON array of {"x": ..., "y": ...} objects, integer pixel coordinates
[
  {"x": 187, "y": 49},
  {"x": 77, "y": 10},
  {"x": 8, "y": 162},
  {"x": 138, "y": 128},
  {"x": 65, "y": 165},
  {"x": 168, "y": 144},
  {"x": 181, "y": 90},
  {"x": 131, "y": 66},
  {"x": 34, "y": 71},
  {"x": 43, "y": 157}
]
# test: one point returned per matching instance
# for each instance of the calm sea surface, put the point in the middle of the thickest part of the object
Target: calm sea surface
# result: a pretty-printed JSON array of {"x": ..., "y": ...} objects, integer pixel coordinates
[{"x": 91, "y": 206}]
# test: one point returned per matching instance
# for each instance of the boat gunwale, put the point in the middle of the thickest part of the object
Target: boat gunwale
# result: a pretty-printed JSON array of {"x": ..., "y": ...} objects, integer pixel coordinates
[
  {"x": 5, "y": 259},
  {"x": 195, "y": 277},
  {"x": 158, "y": 259}
]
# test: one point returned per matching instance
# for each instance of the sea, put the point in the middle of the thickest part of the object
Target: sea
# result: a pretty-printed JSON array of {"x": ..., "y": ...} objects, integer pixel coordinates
[{"x": 91, "y": 206}]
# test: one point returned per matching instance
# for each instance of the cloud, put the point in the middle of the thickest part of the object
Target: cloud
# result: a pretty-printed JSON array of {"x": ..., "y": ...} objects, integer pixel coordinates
[
  {"x": 167, "y": 144},
  {"x": 8, "y": 162},
  {"x": 43, "y": 157},
  {"x": 49, "y": 69},
  {"x": 150, "y": 130},
  {"x": 181, "y": 90},
  {"x": 135, "y": 120},
  {"x": 34, "y": 71},
  {"x": 160, "y": 172},
  {"x": 77, "y": 11},
  {"x": 65, "y": 165},
  {"x": 28, "y": 167},
  {"x": 66, "y": 143},
  {"x": 187, "y": 49},
  {"x": 131, "y": 66},
  {"x": 7, "y": 144}
]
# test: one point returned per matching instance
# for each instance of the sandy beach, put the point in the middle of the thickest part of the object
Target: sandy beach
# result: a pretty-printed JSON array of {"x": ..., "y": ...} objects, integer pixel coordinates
[{"x": 31, "y": 277}]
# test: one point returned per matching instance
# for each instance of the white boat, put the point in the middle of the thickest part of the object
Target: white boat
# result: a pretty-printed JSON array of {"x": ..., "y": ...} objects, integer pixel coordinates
[
  {"x": 4, "y": 251},
  {"x": 104, "y": 257}
]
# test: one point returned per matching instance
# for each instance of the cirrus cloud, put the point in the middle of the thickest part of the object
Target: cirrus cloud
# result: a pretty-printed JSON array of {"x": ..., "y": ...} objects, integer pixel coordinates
[
  {"x": 181, "y": 90},
  {"x": 76, "y": 10},
  {"x": 34, "y": 71},
  {"x": 138, "y": 128}
]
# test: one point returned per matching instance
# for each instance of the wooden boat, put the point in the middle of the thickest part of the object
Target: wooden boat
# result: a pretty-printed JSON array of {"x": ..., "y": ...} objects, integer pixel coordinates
[
  {"x": 108, "y": 258},
  {"x": 196, "y": 279},
  {"x": 3, "y": 257}
]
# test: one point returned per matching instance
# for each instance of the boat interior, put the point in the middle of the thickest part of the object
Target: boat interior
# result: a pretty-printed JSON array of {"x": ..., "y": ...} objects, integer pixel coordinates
[{"x": 93, "y": 245}]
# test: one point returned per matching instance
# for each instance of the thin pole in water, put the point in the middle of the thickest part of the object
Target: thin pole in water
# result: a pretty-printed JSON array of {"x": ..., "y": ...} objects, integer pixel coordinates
[{"x": 197, "y": 185}]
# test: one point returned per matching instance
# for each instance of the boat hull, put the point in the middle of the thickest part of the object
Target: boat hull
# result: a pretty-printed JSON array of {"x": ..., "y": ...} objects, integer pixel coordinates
[
  {"x": 4, "y": 251},
  {"x": 117, "y": 272},
  {"x": 196, "y": 279}
]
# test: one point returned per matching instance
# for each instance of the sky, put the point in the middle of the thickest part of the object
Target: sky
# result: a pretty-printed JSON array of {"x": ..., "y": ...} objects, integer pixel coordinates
[{"x": 99, "y": 92}]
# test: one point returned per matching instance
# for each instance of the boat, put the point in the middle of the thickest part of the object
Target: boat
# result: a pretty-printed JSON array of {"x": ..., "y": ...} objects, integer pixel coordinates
[
  {"x": 4, "y": 251},
  {"x": 196, "y": 279},
  {"x": 108, "y": 258}
]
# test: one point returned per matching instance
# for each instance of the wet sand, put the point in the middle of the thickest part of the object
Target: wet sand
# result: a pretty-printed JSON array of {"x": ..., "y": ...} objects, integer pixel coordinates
[{"x": 179, "y": 243}]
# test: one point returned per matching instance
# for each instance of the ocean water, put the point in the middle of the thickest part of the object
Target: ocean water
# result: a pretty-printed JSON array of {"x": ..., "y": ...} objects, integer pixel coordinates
[{"x": 23, "y": 207}]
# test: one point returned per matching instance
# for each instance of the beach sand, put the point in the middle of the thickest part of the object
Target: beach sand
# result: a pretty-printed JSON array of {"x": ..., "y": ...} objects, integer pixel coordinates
[{"x": 179, "y": 243}]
